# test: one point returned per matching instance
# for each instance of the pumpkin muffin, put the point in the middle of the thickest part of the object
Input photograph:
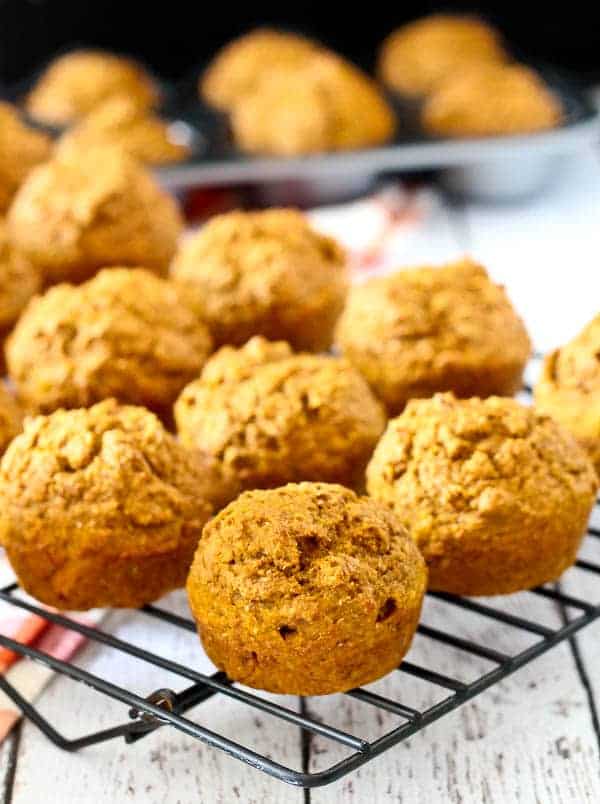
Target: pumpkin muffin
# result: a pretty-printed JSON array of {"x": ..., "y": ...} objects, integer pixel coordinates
[
  {"x": 76, "y": 83},
  {"x": 417, "y": 57},
  {"x": 11, "y": 417},
  {"x": 267, "y": 416},
  {"x": 100, "y": 507},
  {"x": 306, "y": 589},
  {"x": 125, "y": 334},
  {"x": 327, "y": 104},
  {"x": 21, "y": 149},
  {"x": 264, "y": 273},
  {"x": 19, "y": 281},
  {"x": 496, "y": 495},
  {"x": 92, "y": 207},
  {"x": 430, "y": 329},
  {"x": 494, "y": 100},
  {"x": 120, "y": 122},
  {"x": 240, "y": 66},
  {"x": 569, "y": 388}
]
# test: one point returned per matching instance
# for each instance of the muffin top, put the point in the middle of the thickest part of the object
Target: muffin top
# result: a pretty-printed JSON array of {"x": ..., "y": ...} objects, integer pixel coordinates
[
  {"x": 326, "y": 104},
  {"x": 92, "y": 207},
  {"x": 261, "y": 273},
  {"x": 300, "y": 553},
  {"x": 21, "y": 149},
  {"x": 119, "y": 121},
  {"x": 11, "y": 417},
  {"x": 239, "y": 66},
  {"x": 270, "y": 416},
  {"x": 77, "y": 82},
  {"x": 109, "y": 468},
  {"x": 19, "y": 281},
  {"x": 416, "y": 57},
  {"x": 495, "y": 99},
  {"x": 125, "y": 333},
  {"x": 448, "y": 466},
  {"x": 576, "y": 366}
]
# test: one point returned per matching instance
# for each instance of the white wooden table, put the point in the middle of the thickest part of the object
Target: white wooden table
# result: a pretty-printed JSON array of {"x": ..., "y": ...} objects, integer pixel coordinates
[{"x": 533, "y": 738}]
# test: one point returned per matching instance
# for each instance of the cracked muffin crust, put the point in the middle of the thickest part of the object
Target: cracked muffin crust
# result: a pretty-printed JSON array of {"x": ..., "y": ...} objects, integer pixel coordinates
[
  {"x": 495, "y": 99},
  {"x": 429, "y": 329},
  {"x": 267, "y": 416},
  {"x": 100, "y": 507},
  {"x": 569, "y": 388},
  {"x": 11, "y": 417},
  {"x": 496, "y": 495},
  {"x": 239, "y": 66},
  {"x": 415, "y": 58},
  {"x": 125, "y": 333},
  {"x": 264, "y": 273},
  {"x": 21, "y": 149},
  {"x": 93, "y": 207},
  {"x": 79, "y": 81},
  {"x": 306, "y": 589},
  {"x": 326, "y": 104}
]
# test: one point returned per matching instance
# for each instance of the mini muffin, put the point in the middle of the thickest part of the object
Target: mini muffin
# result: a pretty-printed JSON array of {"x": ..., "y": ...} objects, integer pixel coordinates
[
  {"x": 125, "y": 334},
  {"x": 100, "y": 507},
  {"x": 434, "y": 329},
  {"x": 79, "y": 81},
  {"x": 497, "y": 99},
  {"x": 93, "y": 207},
  {"x": 19, "y": 281},
  {"x": 569, "y": 388},
  {"x": 327, "y": 104},
  {"x": 306, "y": 589},
  {"x": 11, "y": 418},
  {"x": 415, "y": 58},
  {"x": 239, "y": 66},
  {"x": 21, "y": 149},
  {"x": 267, "y": 417},
  {"x": 496, "y": 495},
  {"x": 119, "y": 121},
  {"x": 264, "y": 273}
]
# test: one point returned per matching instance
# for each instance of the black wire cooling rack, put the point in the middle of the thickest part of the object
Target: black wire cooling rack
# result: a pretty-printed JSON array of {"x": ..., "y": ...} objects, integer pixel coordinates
[{"x": 164, "y": 707}]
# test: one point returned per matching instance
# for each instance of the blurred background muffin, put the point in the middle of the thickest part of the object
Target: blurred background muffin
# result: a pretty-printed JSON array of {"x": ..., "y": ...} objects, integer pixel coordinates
[
  {"x": 323, "y": 104},
  {"x": 21, "y": 149},
  {"x": 11, "y": 417},
  {"x": 306, "y": 589},
  {"x": 569, "y": 388},
  {"x": 125, "y": 334},
  {"x": 417, "y": 57},
  {"x": 120, "y": 122},
  {"x": 267, "y": 416},
  {"x": 76, "y": 83},
  {"x": 91, "y": 207},
  {"x": 264, "y": 273},
  {"x": 429, "y": 329},
  {"x": 491, "y": 99},
  {"x": 240, "y": 66},
  {"x": 19, "y": 281}
]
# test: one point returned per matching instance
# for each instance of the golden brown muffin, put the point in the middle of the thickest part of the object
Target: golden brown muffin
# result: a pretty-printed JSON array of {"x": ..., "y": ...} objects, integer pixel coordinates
[
  {"x": 264, "y": 273},
  {"x": 19, "y": 281},
  {"x": 11, "y": 417},
  {"x": 415, "y": 58},
  {"x": 497, "y": 99},
  {"x": 125, "y": 334},
  {"x": 267, "y": 417},
  {"x": 100, "y": 507},
  {"x": 93, "y": 207},
  {"x": 569, "y": 388},
  {"x": 79, "y": 81},
  {"x": 496, "y": 495},
  {"x": 327, "y": 104},
  {"x": 120, "y": 122},
  {"x": 240, "y": 66},
  {"x": 306, "y": 589},
  {"x": 21, "y": 149},
  {"x": 434, "y": 329}
]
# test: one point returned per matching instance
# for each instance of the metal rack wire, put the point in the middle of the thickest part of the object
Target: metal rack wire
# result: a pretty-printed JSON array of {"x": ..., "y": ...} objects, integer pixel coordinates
[{"x": 168, "y": 708}]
